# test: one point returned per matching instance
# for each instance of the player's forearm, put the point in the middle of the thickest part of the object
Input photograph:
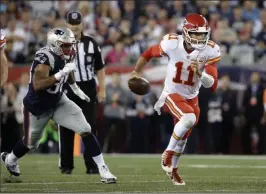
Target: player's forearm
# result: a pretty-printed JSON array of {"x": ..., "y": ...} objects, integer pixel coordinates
[
  {"x": 209, "y": 78},
  {"x": 101, "y": 78},
  {"x": 44, "y": 83},
  {"x": 71, "y": 78},
  {"x": 140, "y": 64},
  {"x": 4, "y": 67},
  {"x": 153, "y": 51}
]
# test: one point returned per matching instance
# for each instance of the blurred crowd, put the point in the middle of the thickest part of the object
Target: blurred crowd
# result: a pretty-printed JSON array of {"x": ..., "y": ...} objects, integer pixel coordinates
[{"x": 126, "y": 28}]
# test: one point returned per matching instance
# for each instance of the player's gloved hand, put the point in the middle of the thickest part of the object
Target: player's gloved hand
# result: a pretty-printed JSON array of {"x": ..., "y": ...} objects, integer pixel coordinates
[
  {"x": 134, "y": 74},
  {"x": 196, "y": 69},
  {"x": 69, "y": 67},
  {"x": 79, "y": 92}
]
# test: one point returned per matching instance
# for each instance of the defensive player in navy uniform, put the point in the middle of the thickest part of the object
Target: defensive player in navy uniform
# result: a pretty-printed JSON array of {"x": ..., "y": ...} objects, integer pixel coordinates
[{"x": 45, "y": 100}]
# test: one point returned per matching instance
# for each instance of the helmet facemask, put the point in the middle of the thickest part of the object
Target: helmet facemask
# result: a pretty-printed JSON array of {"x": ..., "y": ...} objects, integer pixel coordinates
[
  {"x": 194, "y": 42},
  {"x": 68, "y": 50}
]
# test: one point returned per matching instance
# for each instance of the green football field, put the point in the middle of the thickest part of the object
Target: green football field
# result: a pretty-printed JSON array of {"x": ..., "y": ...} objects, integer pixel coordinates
[{"x": 141, "y": 173}]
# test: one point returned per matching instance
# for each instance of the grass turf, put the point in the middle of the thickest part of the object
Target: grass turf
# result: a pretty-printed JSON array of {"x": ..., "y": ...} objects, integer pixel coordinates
[{"x": 141, "y": 173}]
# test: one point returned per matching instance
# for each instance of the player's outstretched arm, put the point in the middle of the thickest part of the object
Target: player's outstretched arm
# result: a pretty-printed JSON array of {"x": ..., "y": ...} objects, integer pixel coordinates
[
  {"x": 3, "y": 59},
  {"x": 76, "y": 89},
  {"x": 41, "y": 78},
  {"x": 139, "y": 66},
  {"x": 153, "y": 51},
  {"x": 4, "y": 67}
]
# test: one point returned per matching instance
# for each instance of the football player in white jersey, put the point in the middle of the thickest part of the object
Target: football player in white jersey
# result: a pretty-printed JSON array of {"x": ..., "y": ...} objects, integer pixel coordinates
[
  {"x": 3, "y": 60},
  {"x": 192, "y": 60}
]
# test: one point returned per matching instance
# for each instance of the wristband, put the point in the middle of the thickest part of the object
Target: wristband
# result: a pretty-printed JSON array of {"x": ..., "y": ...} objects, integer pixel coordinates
[
  {"x": 206, "y": 80},
  {"x": 58, "y": 76}
]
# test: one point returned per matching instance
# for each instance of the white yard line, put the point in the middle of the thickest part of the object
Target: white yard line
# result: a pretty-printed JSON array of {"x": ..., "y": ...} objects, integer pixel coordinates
[
  {"x": 154, "y": 175},
  {"x": 222, "y": 166},
  {"x": 196, "y": 156},
  {"x": 201, "y": 156},
  {"x": 131, "y": 192},
  {"x": 119, "y": 182}
]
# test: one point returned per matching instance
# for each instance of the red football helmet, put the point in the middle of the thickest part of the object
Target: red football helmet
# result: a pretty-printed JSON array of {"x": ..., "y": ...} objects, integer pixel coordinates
[{"x": 196, "y": 23}]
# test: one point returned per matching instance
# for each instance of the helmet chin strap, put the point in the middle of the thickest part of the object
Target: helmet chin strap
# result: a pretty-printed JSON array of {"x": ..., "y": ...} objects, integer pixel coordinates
[
  {"x": 189, "y": 46},
  {"x": 195, "y": 46},
  {"x": 198, "y": 46}
]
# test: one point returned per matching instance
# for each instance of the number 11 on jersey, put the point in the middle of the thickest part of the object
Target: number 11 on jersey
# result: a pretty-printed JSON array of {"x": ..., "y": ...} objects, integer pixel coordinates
[{"x": 177, "y": 78}]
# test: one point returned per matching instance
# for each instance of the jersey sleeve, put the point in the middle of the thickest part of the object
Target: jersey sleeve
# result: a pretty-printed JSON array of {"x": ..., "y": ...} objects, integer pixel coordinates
[
  {"x": 44, "y": 57},
  {"x": 168, "y": 43},
  {"x": 214, "y": 55}
]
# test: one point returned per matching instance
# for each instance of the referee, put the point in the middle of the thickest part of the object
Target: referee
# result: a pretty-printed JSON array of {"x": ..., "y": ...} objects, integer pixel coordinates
[{"x": 89, "y": 61}]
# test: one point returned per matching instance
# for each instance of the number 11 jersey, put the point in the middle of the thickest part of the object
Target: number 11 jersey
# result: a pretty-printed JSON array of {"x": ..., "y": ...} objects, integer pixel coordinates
[
  {"x": 180, "y": 78},
  {"x": 38, "y": 102}
]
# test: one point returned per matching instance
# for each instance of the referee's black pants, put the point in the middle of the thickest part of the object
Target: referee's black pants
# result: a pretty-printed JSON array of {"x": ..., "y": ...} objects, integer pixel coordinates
[{"x": 66, "y": 136}]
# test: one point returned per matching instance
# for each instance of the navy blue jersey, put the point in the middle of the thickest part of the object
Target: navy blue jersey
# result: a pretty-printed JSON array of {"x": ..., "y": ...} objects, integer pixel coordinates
[{"x": 38, "y": 102}]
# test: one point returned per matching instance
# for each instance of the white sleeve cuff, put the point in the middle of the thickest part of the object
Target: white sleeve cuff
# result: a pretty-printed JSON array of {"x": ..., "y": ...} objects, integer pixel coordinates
[
  {"x": 265, "y": 107},
  {"x": 206, "y": 80}
]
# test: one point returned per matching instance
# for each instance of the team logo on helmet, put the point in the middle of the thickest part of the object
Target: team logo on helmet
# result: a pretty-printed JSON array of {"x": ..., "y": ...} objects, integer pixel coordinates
[
  {"x": 59, "y": 32},
  {"x": 74, "y": 16}
]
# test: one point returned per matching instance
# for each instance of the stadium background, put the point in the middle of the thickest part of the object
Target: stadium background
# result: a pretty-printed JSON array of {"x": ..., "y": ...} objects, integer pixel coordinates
[{"x": 124, "y": 29}]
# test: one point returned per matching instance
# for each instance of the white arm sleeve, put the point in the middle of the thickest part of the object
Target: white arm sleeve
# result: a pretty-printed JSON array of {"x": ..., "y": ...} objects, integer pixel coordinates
[{"x": 206, "y": 80}]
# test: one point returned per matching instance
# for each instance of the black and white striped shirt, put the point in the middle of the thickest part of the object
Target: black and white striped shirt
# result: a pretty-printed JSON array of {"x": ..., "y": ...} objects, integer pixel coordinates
[{"x": 89, "y": 59}]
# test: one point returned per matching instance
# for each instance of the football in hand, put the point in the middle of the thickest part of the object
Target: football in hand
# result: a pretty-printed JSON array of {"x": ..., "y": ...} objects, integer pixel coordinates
[{"x": 139, "y": 85}]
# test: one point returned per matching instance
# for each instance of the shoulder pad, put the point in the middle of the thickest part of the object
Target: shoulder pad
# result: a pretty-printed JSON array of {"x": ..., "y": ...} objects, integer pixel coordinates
[
  {"x": 213, "y": 51},
  {"x": 169, "y": 42},
  {"x": 44, "y": 56},
  {"x": 87, "y": 36}
]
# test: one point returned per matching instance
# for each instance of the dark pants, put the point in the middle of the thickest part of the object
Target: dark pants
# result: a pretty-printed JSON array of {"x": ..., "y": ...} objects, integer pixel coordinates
[
  {"x": 246, "y": 138},
  {"x": 139, "y": 134},
  {"x": 216, "y": 137},
  {"x": 228, "y": 128},
  {"x": 11, "y": 132},
  {"x": 66, "y": 139},
  {"x": 115, "y": 135}
]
